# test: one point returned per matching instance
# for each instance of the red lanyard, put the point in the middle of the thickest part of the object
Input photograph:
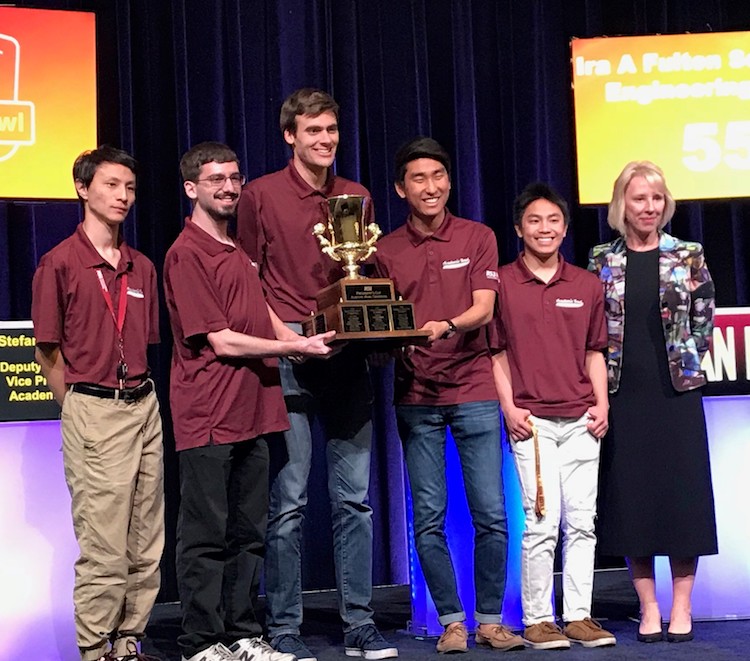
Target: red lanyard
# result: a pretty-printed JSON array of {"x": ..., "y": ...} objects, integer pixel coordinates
[{"x": 119, "y": 319}]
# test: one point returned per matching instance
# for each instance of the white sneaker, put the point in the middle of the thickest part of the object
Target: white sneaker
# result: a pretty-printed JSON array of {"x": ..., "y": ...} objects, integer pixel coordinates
[
  {"x": 216, "y": 652},
  {"x": 257, "y": 649}
]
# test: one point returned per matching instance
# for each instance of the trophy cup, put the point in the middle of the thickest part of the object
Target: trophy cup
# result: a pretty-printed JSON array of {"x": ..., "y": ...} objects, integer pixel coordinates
[{"x": 358, "y": 308}]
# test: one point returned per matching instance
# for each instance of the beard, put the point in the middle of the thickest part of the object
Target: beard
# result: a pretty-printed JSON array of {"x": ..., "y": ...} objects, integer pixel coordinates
[{"x": 224, "y": 213}]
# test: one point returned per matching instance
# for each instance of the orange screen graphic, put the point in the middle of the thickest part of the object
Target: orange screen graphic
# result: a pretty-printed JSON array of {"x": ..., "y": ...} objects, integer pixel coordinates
[
  {"x": 47, "y": 100},
  {"x": 681, "y": 101}
]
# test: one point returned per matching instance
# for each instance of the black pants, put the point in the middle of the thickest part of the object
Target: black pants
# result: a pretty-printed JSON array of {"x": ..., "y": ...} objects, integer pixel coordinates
[{"x": 220, "y": 542}]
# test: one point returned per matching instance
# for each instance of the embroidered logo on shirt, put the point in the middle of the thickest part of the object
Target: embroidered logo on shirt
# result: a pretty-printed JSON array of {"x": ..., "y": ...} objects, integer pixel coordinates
[
  {"x": 456, "y": 263},
  {"x": 492, "y": 275},
  {"x": 569, "y": 303},
  {"x": 135, "y": 293}
]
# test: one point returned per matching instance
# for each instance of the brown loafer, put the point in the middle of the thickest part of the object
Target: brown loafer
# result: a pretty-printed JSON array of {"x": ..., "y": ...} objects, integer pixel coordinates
[
  {"x": 589, "y": 633},
  {"x": 454, "y": 639},
  {"x": 498, "y": 637}
]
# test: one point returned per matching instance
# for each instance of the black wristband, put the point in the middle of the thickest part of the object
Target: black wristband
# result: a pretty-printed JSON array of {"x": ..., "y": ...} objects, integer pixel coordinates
[{"x": 452, "y": 330}]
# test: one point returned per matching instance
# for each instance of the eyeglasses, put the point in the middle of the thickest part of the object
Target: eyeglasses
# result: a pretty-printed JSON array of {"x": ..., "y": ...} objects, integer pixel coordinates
[{"x": 217, "y": 180}]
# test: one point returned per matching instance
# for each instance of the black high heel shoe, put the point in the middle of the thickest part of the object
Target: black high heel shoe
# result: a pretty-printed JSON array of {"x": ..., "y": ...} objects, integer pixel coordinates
[
  {"x": 655, "y": 637},
  {"x": 681, "y": 637}
]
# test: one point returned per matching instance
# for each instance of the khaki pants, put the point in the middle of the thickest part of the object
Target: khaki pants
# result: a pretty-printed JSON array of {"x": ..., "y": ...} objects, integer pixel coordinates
[{"x": 113, "y": 457}]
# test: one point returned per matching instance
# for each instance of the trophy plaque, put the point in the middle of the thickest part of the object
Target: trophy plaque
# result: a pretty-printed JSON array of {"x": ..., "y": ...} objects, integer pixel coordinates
[{"x": 358, "y": 308}]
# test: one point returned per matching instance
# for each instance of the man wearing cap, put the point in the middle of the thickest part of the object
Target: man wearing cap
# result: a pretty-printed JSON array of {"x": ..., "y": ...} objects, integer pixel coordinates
[{"x": 448, "y": 267}]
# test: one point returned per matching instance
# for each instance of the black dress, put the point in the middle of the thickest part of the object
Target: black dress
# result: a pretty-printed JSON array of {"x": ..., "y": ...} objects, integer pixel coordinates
[{"x": 656, "y": 496}]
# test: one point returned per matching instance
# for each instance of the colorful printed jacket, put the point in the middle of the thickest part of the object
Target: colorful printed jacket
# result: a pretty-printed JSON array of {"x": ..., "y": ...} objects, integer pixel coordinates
[{"x": 687, "y": 306}]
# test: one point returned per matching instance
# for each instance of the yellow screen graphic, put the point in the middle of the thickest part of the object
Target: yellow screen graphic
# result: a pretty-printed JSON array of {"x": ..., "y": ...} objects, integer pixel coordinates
[
  {"x": 47, "y": 100},
  {"x": 681, "y": 101}
]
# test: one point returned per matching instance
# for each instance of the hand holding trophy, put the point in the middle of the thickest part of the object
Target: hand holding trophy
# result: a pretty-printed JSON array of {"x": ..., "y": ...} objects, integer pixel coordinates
[{"x": 358, "y": 308}]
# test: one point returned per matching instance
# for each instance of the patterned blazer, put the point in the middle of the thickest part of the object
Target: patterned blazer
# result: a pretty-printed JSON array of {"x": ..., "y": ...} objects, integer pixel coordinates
[{"x": 686, "y": 294}]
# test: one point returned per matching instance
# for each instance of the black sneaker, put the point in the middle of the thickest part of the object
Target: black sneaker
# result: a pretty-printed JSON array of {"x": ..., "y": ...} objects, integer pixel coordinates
[
  {"x": 257, "y": 649},
  {"x": 133, "y": 653},
  {"x": 366, "y": 641},
  {"x": 289, "y": 643}
]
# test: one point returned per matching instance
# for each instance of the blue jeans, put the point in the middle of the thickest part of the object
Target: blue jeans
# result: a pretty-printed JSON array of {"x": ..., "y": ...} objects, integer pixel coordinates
[
  {"x": 338, "y": 392},
  {"x": 475, "y": 427}
]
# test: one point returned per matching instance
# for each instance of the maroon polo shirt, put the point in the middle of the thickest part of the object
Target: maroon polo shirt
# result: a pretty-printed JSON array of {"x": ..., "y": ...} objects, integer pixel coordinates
[
  {"x": 68, "y": 309},
  {"x": 210, "y": 286},
  {"x": 438, "y": 273},
  {"x": 275, "y": 220},
  {"x": 547, "y": 330}
]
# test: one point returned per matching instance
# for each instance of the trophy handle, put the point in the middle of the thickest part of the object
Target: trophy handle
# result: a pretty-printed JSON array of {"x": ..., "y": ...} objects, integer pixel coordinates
[
  {"x": 375, "y": 234},
  {"x": 325, "y": 244}
]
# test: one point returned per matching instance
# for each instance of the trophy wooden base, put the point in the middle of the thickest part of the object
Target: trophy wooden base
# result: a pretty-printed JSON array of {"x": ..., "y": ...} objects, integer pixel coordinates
[{"x": 365, "y": 309}]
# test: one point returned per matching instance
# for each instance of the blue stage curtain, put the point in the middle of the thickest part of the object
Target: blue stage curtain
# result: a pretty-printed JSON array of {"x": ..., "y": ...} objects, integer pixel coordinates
[{"x": 489, "y": 79}]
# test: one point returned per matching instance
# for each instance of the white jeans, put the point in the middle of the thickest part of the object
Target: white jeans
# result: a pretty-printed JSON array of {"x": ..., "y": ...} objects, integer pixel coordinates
[{"x": 569, "y": 458}]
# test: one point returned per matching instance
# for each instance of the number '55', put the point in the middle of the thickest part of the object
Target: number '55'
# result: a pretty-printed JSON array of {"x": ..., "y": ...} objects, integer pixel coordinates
[{"x": 701, "y": 142}]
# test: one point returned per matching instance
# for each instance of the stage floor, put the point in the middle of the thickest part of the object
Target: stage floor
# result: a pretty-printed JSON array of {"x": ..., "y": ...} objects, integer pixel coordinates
[{"x": 615, "y": 605}]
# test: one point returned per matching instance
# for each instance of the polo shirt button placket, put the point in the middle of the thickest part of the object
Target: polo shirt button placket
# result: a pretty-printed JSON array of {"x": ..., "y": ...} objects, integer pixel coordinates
[{"x": 432, "y": 267}]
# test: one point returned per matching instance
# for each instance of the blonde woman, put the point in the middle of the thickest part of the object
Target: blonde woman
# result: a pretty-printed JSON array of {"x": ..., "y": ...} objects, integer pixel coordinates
[{"x": 656, "y": 495}]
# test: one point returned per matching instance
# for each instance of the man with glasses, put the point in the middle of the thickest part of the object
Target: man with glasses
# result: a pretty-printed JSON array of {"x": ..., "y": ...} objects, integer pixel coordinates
[
  {"x": 275, "y": 221},
  {"x": 227, "y": 404}
]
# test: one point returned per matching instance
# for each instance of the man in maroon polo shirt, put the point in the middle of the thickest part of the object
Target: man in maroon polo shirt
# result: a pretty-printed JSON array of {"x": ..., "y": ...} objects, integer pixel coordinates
[
  {"x": 95, "y": 310},
  {"x": 448, "y": 267},
  {"x": 226, "y": 401},
  {"x": 552, "y": 381},
  {"x": 275, "y": 221}
]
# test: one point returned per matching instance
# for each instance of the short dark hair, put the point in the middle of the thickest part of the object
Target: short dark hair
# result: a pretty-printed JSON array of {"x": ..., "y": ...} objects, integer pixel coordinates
[
  {"x": 85, "y": 166},
  {"x": 420, "y": 147},
  {"x": 534, "y": 192},
  {"x": 205, "y": 152},
  {"x": 305, "y": 101}
]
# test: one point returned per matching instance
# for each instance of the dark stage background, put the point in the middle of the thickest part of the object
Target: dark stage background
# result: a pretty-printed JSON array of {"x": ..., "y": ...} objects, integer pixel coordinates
[{"x": 489, "y": 79}]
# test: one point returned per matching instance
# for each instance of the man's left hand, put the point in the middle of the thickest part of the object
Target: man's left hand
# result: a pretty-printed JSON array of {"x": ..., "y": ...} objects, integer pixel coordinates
[{"x": 437, "y": 330}]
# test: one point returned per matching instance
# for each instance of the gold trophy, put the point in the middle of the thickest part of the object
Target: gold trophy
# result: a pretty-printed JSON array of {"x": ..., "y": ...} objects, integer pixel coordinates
[{"x": 358, "y": 308}]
